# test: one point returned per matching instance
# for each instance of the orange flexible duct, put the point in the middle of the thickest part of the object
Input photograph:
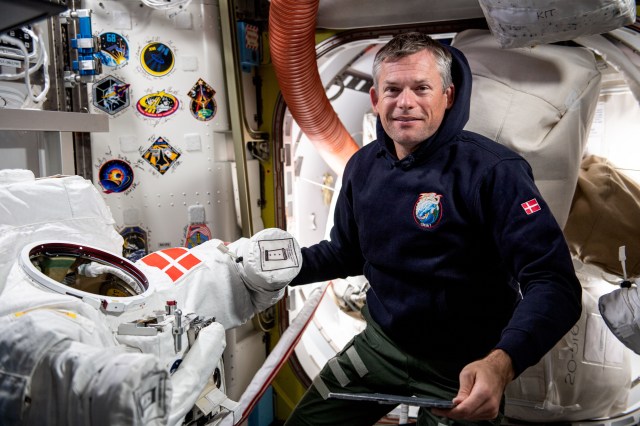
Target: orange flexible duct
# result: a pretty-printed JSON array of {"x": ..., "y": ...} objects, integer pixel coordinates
[{"x": 292, "y": 25}]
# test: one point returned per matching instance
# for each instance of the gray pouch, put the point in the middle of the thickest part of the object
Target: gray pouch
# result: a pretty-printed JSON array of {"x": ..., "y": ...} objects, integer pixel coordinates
[{"x": 620, "y": 310}]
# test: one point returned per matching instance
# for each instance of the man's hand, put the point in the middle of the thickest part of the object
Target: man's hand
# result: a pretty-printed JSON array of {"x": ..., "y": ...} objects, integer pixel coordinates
[{"x": 482, "y": 385}]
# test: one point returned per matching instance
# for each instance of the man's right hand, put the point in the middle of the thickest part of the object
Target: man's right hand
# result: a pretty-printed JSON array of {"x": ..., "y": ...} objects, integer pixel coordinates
[{"x": 482, "y": 385}]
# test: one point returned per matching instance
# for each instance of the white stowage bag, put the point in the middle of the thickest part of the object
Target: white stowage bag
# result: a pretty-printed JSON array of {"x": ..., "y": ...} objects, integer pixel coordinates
[
  {"x": 539, "y": 102},
  {"x": 67, "y": 207},
  {"x": 522, "y": 23},
  {"x": 587, "y": 375}
]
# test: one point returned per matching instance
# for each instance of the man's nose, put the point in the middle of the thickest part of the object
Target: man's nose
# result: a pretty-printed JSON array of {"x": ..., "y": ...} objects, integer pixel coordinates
[{"x": 406, "y": 98}]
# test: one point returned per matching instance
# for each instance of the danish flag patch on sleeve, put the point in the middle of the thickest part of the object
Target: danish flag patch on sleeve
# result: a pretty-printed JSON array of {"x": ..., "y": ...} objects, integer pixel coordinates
[
  {"x": 531, "y": 206},
  {"x": 175, "y": 262}
]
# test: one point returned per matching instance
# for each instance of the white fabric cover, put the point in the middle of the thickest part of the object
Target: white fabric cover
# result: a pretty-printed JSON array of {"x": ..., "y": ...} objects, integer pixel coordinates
[
  {"x": 521, "y": 23},
  {"x": 71, "y": 383},
  {"x": 539, "y": 102},
  {"x": 83, "y": 323},
  {"x": 587, "y": 375},
  {"x": 197, "y": 371},
  {"x": 51, "y": 208},
  {"x": 616, "y": 58},
  {"x": 8, "y": 176}
]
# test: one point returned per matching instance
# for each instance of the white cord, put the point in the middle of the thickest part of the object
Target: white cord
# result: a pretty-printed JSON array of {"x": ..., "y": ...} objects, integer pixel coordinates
[
  {"x": 42, "y": 61},
  {"x": 166, "y": 4},
  {"x": 32, "y": 69},
  {"x": 622, "y": 256}
]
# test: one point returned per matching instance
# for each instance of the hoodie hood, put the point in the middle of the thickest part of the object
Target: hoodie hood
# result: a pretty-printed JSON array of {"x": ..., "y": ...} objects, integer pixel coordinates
[{"x": 455, "y": 118}]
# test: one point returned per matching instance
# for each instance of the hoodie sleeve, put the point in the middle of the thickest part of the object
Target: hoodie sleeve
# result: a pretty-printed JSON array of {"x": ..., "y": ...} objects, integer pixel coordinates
[
  {"x": 340, "y": 256},
  {"x": 534, "y": 249}
]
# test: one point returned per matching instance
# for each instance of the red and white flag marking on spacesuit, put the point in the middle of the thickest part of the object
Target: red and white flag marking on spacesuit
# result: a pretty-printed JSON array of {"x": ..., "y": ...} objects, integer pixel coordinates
[{"x": 175, "y": 262}]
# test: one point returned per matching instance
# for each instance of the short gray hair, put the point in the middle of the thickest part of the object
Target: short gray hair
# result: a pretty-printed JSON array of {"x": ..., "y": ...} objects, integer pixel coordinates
[{"x": 406, "y": 44}]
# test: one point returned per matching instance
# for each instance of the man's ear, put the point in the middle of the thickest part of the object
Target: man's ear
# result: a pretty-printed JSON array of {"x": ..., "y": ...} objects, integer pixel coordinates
[
  {"x": 451, "y": 93},
  {"x": 374, "y": 99}
]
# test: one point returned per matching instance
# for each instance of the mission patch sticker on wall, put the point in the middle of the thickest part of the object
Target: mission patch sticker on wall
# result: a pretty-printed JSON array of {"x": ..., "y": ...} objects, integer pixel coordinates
[
  {"x": 203, "y": 107},
  {"x": 197, "y": 234},
  {"x": 111, "y": 95},
  {"x": 135, "y": 243},
  {"x": 161, "y": 155},
  {"x": 158, "y": 104},
  {"x": 157, "y": 59},
  {"x": 114, "y": 50},
  {"x": 115, "y": 176}
]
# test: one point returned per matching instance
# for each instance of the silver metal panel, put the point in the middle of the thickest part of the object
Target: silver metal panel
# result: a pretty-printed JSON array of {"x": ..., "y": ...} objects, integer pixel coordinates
[
  {"x": 347, "y": 14},
  {"x": 55, "y": 121}
]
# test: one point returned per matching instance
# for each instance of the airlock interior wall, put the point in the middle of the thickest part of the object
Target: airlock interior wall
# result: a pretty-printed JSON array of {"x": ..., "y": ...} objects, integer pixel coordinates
[{"x": 166, "y": 163}]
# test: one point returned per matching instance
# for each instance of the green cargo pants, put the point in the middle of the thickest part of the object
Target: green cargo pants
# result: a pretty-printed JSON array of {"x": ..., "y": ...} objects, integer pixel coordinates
[{"x": 371, "y": 363}]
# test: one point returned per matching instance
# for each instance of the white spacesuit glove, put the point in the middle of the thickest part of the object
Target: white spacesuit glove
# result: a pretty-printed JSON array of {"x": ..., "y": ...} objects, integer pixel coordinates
[{"x": 266, "y": 262}]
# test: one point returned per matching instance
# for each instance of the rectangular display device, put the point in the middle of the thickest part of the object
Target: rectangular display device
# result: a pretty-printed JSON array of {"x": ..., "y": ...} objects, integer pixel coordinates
[{"x": 383, "y": 398}]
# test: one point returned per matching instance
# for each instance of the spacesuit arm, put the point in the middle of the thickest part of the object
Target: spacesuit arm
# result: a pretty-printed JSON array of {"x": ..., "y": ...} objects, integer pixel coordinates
[
  {"x": 230, "y": 282},
  {"x": 533, "y": 247}
]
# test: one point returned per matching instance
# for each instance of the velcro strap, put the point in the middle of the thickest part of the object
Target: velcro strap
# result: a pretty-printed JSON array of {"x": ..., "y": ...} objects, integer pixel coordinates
[
  {"x": 322, "y": 389},
  {"x": 355, "y": 359},
  {"x": 627, "y": 330},
  {"x": 213, "y": 399},
  {"x": 338, "y": 372}
]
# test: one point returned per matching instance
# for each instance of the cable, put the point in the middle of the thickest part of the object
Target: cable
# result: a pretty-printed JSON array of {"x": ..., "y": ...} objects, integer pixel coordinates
[
  {"x": 42, "y": 61},
  {"x": 166, "y": 4}
]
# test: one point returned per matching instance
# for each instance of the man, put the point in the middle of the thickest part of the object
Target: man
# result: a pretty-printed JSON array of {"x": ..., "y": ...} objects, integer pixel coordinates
[{"x": 471, "y": 279}]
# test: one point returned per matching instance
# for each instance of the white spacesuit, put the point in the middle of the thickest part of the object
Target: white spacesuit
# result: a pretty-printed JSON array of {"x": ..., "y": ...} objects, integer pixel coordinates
[{"x": 90, "y": 338}]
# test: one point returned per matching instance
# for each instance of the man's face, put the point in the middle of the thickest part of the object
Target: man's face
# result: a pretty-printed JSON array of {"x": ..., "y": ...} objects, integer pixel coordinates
[{"x": 410, "y": 101}]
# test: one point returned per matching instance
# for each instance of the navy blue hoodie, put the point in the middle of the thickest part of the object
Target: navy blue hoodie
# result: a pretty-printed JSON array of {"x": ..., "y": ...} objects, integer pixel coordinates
[{"x": 448, "y": 238}]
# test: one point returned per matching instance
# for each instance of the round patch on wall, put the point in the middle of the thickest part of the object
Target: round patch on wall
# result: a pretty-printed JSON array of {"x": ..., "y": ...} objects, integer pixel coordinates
[
  {"x": 157, "y": 59},
  {"x": 115, "y": 176},
  {"x": 114, "y": 50}
]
